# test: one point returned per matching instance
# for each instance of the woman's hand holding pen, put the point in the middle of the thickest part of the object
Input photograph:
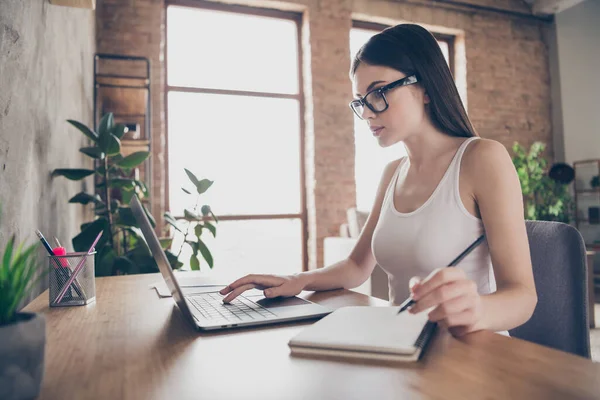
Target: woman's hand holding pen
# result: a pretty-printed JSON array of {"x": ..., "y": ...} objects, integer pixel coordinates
[
  {"x": 272, "y": 286},
  {"x": 457, "y": 304}
]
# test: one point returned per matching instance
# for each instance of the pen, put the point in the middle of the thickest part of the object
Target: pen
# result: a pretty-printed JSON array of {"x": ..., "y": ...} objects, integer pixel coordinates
[
  {"x": 78, "y": 268},
  {"x": 409, "y": 302},
  {"x": 58, "y": 267}
]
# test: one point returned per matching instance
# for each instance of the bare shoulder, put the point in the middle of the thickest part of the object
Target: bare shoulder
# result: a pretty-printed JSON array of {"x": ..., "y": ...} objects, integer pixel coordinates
[
  {"x": 486, "y": 161},
  {"x": 485, "y": 151}
]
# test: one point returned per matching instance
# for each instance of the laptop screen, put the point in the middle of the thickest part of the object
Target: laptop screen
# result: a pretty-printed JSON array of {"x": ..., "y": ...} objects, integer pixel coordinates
[{"x": 159, "y": 255}]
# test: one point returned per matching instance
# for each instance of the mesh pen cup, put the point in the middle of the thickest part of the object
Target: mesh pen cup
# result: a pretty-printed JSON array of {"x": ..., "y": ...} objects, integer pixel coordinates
[{"x": 82, "y": 289}]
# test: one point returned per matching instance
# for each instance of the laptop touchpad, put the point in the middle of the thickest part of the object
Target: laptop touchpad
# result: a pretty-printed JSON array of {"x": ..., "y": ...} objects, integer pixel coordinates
[{"x": 281, "y": 302}]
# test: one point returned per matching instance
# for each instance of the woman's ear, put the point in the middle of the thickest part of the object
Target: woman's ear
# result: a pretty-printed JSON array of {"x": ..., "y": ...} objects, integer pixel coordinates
[{"x": 426, "y": 98}]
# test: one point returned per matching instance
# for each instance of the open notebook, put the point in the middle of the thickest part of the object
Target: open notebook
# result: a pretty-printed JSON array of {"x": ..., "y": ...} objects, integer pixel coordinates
[{"x": 366, "y": 332}]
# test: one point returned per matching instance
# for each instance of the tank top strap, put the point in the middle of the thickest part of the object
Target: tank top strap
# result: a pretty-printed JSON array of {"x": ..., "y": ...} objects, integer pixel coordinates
[
  {"x": 456, "y": 161},
  {"x": 392, "y": 184}
]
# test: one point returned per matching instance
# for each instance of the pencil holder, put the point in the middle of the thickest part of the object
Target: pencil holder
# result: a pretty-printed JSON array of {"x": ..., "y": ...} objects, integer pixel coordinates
[{"x": 82, "y": 289}]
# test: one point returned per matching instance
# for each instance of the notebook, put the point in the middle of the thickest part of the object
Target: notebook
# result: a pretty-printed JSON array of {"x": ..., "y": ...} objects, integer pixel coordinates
[{"x": 366, "y": 332}]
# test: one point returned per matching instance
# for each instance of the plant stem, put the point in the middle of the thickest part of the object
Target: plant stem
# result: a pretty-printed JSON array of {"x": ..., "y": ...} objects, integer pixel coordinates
[
  {"x": 187, "y": 230},
  {"x": 107, "y": 199}
]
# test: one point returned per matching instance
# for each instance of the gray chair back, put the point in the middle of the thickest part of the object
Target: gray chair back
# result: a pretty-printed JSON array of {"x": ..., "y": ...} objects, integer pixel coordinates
[{"x": 560, "y": 319}]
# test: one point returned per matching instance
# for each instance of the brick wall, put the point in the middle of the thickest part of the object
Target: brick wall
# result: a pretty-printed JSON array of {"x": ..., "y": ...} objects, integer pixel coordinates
[
  {"x": 136, "y": 28},
  {"x": 505, "y": 59}
]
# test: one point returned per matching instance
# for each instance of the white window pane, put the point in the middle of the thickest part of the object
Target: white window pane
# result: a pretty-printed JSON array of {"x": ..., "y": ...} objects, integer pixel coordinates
[
  {"x": 251, "y": 246},
  {"x": 225, "y": 50},
  {"x": 249, "y": 146},
  {"x": 371, "y": 159},
  {"x": 445, "y": 51}
]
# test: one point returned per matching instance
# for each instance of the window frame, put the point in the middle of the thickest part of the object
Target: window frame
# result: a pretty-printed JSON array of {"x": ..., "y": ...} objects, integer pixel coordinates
[{"x": 262, "y": 12}]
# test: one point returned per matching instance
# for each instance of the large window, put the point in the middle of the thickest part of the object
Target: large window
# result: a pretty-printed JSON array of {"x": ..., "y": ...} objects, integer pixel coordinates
[
  {"x": 370, "y": 159},
  {"x": 233, "y": 109}
]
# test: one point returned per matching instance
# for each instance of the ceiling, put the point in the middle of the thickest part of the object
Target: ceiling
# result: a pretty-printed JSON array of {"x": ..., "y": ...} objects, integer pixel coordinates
[{"x": 550, "y": 7}]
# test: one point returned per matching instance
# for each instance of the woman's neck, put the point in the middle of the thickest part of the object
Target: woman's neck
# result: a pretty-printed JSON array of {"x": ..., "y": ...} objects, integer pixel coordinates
[{"x": 425, "y": 147}]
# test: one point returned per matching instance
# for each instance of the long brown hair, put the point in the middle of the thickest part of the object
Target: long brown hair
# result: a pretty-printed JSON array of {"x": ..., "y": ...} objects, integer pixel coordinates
[{"x": 412, "y": 50}]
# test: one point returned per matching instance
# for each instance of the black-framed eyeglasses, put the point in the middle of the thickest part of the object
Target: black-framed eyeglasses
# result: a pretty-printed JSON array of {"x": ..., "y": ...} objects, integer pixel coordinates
[{"x": 376, "y": 100}]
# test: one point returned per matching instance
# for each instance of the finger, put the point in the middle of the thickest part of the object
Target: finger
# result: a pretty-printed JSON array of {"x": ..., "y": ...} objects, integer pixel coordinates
[
  {"x": 264, "y": 280},
  {"x": 413, "y": 283},
  {"x": 438, "y": 278},
  {"x": 237, "y": 291},
  {"x": 450, "y": 307},
  {"x": 442, "y": 294}
]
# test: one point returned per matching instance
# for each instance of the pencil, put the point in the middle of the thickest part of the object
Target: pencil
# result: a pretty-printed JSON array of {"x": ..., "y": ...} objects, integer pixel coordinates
[{"x": 409, "y": 302}]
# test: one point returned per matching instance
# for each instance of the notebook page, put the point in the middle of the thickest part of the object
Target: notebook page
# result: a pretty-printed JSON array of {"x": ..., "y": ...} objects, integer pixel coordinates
[{"x": 376, "y": 329}]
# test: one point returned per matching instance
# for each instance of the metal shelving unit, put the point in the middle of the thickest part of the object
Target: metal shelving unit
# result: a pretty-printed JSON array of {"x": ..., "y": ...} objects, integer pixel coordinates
[{"x": 122, "y": 86}]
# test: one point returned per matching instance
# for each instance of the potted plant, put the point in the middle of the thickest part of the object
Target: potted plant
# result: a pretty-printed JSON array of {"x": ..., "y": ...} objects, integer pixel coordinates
[
  {"x": 546, "y": 195},
  {"x": 22, "y": 335},
  {"x": 121, "y": 249}
]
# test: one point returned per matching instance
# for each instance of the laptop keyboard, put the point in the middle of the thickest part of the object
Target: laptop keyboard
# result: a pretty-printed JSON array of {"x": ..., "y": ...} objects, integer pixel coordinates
[{"x": 211, "y": 306}]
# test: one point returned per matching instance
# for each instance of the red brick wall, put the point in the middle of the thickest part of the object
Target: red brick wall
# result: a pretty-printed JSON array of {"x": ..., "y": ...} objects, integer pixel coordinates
[{"x": 507, "y": 83}]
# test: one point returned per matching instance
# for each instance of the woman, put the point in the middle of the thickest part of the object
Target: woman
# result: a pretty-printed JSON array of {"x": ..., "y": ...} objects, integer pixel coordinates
[{"x": 430, "y": 205}]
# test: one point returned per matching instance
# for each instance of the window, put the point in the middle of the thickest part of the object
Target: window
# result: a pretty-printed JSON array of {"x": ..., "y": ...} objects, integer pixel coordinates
[
  {"x": 370, "y": 159},
  {"x": 234, "y": 110}
]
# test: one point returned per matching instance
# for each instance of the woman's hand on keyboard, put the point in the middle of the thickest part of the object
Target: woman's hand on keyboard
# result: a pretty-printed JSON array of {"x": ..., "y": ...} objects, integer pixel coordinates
[{"x": 271, "y": 285}]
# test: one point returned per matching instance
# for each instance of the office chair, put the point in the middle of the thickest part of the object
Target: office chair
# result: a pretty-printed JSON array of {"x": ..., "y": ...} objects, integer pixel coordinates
[{"x": 560, "y": 319}]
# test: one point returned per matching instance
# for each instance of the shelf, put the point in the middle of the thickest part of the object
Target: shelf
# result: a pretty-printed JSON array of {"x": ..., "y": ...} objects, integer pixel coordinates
[{"x": 595, "y": 190}]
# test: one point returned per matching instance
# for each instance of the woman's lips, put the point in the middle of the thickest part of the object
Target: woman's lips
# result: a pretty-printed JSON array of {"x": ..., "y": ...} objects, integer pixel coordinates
[{"x": 376, "y": 130}]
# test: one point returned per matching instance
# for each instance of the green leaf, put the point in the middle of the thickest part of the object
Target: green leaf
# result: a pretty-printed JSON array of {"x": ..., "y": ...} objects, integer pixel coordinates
[
  {"x": 73, "y": 174},
  {"x": 106, "y": 125},
  {"x": 198, "y": 230},
  {"x": 114, "y": 205},
  {"x": 205, "y": 253},
  {"x": 171, "y": 220},
  {"x": 211, "y": 228},
  {"x": 84, "y": 198},
  {"x": 150, "y": 217},
  {"x": 134, "y": 159},
  {"x": 190, "y": 216},
  {"x": 84, "y": 240},
  {"x": 126, "y": 217},
  {"x": 94, "y": 152},
  {"x": 123, "y": 265},
  {"x": 205, "y": 210},
  {"x": 105, "y": 260},
  {"x": 192, "y": 177},
  {"x": 186, "y": 191},
  {"x": 119, "y": 130},
  {"x": 166, "y": 243},
  {"x": 5, "y": 268},
  {"x": 175, "y": 263},
  {"x": 194, "y": 263},
  {"x": 203, "y": 185},
  {"x": 84, "y": 129},
  {"x": 114, "y": 145},
  {"x": 122, "y": 183}
]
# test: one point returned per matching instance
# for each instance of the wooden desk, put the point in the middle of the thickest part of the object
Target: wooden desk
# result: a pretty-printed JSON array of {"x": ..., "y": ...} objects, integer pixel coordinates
[{"x": 130, "y": 344}]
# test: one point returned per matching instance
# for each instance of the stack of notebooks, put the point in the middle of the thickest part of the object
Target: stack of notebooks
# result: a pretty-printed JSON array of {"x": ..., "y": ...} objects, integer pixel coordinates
[{"x": 378, "y": 333}]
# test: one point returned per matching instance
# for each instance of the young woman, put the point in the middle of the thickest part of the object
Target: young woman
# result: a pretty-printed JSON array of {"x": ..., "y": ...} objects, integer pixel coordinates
[{"x": 451, "y": 188}]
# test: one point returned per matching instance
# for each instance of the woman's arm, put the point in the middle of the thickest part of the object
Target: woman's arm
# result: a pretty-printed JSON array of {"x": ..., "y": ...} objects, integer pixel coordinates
[
  {"x": 348, "y": 273},
  {"x": 495, "y": 186}
]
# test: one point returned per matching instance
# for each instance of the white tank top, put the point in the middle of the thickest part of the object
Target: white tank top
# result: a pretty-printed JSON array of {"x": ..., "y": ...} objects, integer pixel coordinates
[{"x": 416, "y": 243}]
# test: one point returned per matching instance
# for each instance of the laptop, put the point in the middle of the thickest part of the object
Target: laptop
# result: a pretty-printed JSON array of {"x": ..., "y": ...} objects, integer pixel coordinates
[{"x": 206, "y": 310}]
